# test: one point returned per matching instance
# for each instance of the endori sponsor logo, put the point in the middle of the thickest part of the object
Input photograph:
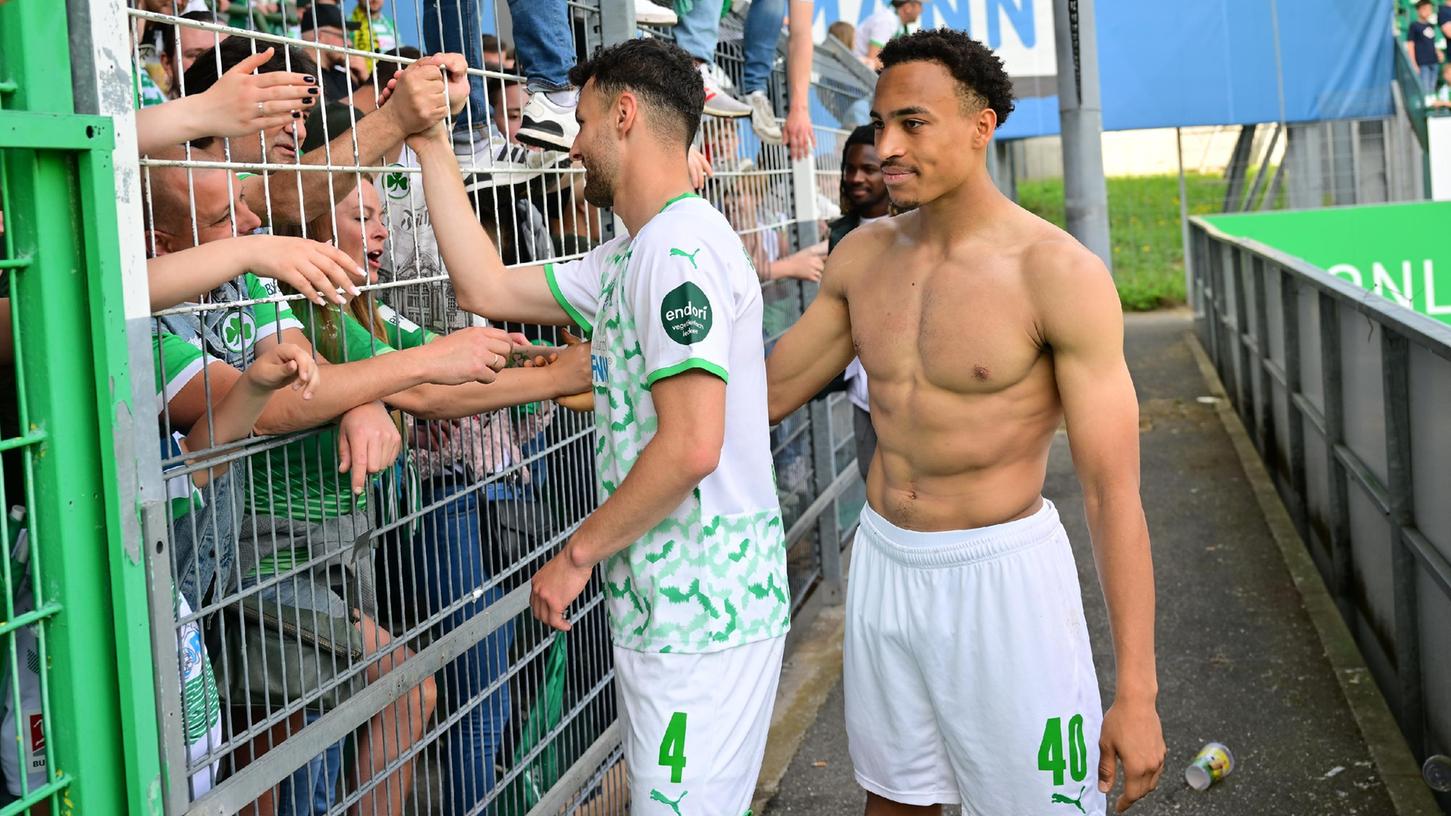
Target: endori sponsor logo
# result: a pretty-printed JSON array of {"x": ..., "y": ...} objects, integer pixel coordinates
[{"x": 686, "y": 314}]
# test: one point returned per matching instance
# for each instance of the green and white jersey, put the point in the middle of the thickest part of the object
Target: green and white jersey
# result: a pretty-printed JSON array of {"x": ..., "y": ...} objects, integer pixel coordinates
[
  {"x": 232, "y": 333},
  {"x": 300, "y": 480},
  {"x": 682, "y": 295},
  {"x": 177, "y": 363}
]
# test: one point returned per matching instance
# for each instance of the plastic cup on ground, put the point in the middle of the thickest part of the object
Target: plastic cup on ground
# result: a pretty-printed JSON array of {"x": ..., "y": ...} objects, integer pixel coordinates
[
  {"x": 1213, "y": 763},
  {"x": 1437, "y": 773}
]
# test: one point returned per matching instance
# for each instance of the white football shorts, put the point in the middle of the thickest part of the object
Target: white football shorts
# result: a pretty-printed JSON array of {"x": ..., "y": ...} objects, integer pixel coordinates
[
  {"x": 969, "y": 676},
  {"x": 695, "y": 726}
]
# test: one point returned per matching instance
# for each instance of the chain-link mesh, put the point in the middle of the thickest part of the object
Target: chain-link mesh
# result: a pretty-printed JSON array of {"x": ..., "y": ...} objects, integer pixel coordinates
[{"x": 371, "y": 650}]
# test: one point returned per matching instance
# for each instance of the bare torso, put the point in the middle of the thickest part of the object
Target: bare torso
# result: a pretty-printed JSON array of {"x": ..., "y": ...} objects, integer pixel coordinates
[{"x": 963, "y": 394}]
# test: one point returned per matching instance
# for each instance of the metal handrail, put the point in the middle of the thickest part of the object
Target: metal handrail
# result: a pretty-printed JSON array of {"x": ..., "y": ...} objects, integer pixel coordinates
[{"x": 1303, "y": 378}]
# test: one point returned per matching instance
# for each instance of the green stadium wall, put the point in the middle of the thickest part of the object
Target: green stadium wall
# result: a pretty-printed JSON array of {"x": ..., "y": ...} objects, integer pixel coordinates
[{"x": 1402, "y": 252}]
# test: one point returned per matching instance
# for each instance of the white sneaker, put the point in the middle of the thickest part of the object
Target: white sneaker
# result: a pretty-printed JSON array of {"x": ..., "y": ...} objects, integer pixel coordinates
[
  {"x": 506, "y": 165},
  {"x": 547, "y": 124},
  {"x": 763, "y": 117},
  {"x": 648, "y": 13},
  {"x": 717, "y": 101}
]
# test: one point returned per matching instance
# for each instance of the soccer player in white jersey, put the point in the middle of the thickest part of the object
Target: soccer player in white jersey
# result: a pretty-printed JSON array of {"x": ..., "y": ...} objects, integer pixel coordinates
[{"x": 689, "y": 532}]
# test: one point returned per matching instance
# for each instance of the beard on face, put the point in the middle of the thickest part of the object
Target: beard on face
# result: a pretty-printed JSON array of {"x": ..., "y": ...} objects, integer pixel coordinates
[
  {"x": 598, "y": 191},
  {"x": 599, "y": 179}
]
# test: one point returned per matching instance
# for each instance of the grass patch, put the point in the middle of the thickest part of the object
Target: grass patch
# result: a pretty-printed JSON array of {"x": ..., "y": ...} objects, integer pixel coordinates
[{"x": 1143, "y": 222}]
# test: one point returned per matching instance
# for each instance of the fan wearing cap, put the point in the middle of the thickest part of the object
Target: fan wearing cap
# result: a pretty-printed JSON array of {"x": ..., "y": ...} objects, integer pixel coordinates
[{"x": 325, "y": 25}]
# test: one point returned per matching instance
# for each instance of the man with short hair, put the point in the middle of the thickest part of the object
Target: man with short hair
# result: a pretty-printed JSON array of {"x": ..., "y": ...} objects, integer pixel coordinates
[
  {"x": 181, "y": 44},
  {"x": 324, "y": 24},
  {"x": 968, "y": 671},
  {"x": 898, "y": 18},
  {"x": 1421, "y": 45},
  {"x": 689, "y": 529}
]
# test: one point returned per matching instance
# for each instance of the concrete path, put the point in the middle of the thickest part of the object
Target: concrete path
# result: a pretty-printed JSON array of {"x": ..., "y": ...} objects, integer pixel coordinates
[{"x": 1240, "y": 661}]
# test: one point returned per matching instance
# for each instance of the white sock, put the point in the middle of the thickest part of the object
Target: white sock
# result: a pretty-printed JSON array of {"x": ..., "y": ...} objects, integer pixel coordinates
[{"x": 567, "y": 98}]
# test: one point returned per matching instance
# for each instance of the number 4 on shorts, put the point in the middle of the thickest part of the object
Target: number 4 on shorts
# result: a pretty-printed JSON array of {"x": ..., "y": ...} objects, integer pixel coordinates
[
  {"x": 1050, "y": 750},
  {"x": 672, "y": 747}
]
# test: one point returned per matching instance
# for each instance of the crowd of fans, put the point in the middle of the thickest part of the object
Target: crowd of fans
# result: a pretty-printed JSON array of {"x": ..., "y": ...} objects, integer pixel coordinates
[{"x": 345, "y": 451}]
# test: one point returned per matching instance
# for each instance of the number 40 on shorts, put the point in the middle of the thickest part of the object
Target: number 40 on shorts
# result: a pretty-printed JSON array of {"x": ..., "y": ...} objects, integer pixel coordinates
[{"x": 1050, "y": 750}]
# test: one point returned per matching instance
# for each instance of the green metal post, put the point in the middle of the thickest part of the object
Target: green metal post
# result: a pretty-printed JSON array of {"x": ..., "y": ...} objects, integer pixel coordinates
[{"x": 60, "y": 213}]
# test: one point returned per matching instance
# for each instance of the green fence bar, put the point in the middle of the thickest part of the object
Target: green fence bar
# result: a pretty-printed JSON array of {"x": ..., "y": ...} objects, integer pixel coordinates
[{"x": 100, "y": 730}]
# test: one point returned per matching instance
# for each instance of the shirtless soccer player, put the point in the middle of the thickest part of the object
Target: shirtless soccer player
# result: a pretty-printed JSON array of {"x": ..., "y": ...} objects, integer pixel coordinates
[
  {"x": 969, "y": 676},
  {"x": 689, "y": 531}
]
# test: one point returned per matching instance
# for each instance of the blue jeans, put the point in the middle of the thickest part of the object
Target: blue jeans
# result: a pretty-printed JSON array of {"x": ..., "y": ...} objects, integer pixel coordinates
[
  {"x": 448, "y": 565},
  {"x": 544, "y": 40},
  {"x": 204, "y": 542},
  {"x": 312, "y": 788},
  {"x": 1428, "y": 78},
  {"x": 698, "y": 32},
  {"x": 453, "y": 25}
]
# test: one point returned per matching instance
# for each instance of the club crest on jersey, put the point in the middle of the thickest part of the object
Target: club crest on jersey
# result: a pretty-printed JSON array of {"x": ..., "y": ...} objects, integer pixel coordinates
[
  {"x": 686, "y": 314},
  {"x": 238, "y": 330},
  {"x": 600, "y": 368}
]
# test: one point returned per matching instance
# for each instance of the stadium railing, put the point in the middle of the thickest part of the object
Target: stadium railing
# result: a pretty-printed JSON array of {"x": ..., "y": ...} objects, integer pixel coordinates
[{"x": 1343, "y": 394}]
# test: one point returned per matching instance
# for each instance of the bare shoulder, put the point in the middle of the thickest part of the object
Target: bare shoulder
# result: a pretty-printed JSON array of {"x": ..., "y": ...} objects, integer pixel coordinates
[
  {"x": 1070, "y": 287},
  {"x": 860, "y": 250},
  {"x": 1055, "y": 265}
]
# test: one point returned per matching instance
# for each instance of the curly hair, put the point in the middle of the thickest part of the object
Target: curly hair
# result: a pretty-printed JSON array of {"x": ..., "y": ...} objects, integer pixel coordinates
[
  {"x": 980, "y": 73},
  {"x": 658, "y": 71}
]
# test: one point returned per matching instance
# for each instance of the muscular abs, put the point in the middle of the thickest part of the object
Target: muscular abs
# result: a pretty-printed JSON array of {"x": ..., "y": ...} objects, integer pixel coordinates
[{"x": 962, "y": 389}]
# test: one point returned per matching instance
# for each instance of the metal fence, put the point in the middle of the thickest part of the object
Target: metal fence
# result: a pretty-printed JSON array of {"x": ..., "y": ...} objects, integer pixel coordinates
[
  {"x": 79, "y": 723},
  {"x": 313, "y": 649},
  {"x": 1344, "y": 395}
]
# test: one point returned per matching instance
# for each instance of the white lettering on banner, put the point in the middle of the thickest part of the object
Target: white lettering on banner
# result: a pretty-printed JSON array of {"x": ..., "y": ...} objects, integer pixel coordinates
[
  {"x": 1383, "y": 281},
  {"x": 1348, "y": 272},
  {"x": 1020, "y": 31},
  {"x": 1433, "y": 308},
  {"x": 1400, "y": 290}
]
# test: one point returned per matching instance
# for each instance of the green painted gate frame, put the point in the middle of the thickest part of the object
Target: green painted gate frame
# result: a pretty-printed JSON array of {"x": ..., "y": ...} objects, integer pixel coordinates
[{"x": 73, "y": 376}]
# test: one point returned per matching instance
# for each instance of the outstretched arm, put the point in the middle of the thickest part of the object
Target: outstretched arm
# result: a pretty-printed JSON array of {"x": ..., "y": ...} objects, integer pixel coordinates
[
  {"x": 1083, "y": 324},
  {"x": 241, "y": 103},
  {"x": 320, "y": 271},
  {"x": 469, "y": 355},
  {"x": 294, "y": 196},
  {"x": 816, "y": 349},
  {"x": 570, "y": 374},
  {"x": 482, "y": 283},
  {"x": 236, "y": 412}
]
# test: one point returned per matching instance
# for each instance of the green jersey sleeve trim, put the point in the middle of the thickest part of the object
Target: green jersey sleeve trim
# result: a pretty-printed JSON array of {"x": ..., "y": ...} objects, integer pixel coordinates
[
  {"x": 683, "y": 366},
  {"x": 680, "y": 197},
  {"x": 574, "y": 314}
]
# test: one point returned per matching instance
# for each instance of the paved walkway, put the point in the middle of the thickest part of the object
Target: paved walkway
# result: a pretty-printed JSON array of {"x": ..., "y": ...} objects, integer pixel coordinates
[{"x": 1239, "y": 659}]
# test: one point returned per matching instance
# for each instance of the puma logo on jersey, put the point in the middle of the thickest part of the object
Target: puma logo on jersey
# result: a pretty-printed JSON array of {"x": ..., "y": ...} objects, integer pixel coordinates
[
  {"x": 1062, "y": 799},
  {"x": 673, "y": 804},
  {"x": 689, "y": 256}
]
